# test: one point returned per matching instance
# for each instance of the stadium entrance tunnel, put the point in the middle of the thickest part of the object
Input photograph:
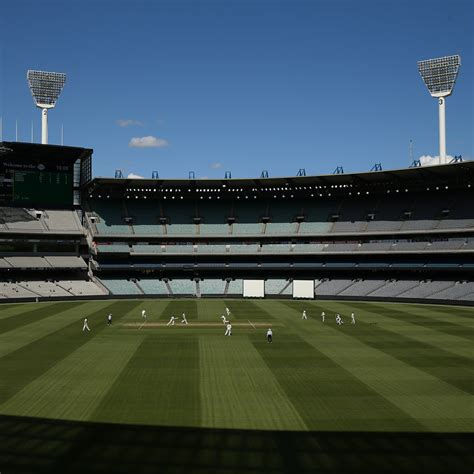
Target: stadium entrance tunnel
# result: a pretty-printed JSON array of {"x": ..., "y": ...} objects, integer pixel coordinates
[{"x": 43, "y": 445}]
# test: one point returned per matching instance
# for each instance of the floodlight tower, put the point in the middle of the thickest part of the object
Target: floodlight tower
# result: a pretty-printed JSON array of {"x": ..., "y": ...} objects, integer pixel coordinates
[
  {"x": 45, "y": 88},
  {"x": 439, "y": 75}
]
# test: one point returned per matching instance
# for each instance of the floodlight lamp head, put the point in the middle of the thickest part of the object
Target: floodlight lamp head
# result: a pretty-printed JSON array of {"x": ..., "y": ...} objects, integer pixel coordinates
[
  {"x": 45, "y": 87},
  {"x": 440, "y": 74}
]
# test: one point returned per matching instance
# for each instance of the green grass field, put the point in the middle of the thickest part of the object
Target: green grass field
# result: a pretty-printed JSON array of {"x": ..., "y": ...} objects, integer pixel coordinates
[{"x": 402, "y": 376}]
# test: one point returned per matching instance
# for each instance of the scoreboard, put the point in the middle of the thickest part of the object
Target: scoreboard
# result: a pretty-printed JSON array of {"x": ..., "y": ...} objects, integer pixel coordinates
[
  {"x": 42, "y": 186},
  {"x": 39, "y": 175}
]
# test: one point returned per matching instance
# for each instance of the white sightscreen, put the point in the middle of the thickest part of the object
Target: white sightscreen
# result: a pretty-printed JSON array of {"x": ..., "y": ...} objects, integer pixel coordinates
[
  {"x": 303, "y": 288},
  {"x": 254, "y": 288}
]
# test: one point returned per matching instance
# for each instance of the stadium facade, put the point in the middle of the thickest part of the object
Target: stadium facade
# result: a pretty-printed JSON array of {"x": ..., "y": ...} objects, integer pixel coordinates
[{"x": 404, "y": 234}]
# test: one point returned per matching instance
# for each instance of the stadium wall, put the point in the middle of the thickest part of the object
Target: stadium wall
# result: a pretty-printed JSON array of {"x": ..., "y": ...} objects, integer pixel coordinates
[{"x": 42, "y": 299}]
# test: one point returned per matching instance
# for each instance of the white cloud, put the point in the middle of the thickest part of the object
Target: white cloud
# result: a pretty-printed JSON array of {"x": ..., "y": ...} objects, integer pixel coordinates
[
  {"x": 128, "y": 123},
  {"x": 134, "y": 176},
  {"x": 216, "y": 165},
  {"x": 428, "y": 160},
  {"x": 147, "y": 142}
]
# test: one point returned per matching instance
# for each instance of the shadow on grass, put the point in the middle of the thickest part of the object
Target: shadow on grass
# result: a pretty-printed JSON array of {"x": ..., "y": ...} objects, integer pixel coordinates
[{"x": 35, "y": 445}]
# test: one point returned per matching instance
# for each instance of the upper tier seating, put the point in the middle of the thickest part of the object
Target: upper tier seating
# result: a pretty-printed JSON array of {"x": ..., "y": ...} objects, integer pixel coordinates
[
  {"x": 66, "y": 262},
  {"x": 214, "y": 229},
  {"x": 181, "y": 229},
  {"x": 110, "y": 217},
  {"x": 28, "y": 262},
  {"x": 112, "y": 248},
  {"x": 281, "y": 228},
  {"x": 60, "y": 220},
  {"x": 145, "y": 217},
  {"x": 147, "y": 248},
  {"x": 18, "y": 219},
  {"x": 247, "y": 229},
  {"x": 407, "y": 212}
]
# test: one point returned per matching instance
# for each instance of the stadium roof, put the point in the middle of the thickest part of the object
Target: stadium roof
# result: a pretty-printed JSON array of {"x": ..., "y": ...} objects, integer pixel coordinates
[
  {"x": 455, "y": 173},
  {"x": 35, "y": 151}
]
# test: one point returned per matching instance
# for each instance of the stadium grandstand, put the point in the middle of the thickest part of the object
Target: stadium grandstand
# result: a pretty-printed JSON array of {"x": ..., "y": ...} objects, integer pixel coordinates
[
  {"x": 125, "y": 293},
  {"x": 402, "y": 234}
]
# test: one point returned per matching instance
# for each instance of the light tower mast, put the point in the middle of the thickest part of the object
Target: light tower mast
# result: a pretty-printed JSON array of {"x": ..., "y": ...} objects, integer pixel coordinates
[
  {"x": 439, "y": 75},
  {"x": 45, "y": 88}
]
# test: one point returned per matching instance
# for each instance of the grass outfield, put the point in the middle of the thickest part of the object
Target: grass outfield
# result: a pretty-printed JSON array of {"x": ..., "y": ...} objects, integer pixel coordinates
[{"x": 403, "y": 372}]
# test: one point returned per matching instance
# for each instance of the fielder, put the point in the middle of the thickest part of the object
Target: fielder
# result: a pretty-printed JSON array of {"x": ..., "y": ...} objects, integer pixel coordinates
[
  {"x": 184, "y": 320},
  {"x": 143, "y": 314},
  {"x": 353, "y": 319},
  {"x": 109, "y": 319},
  {"x": 269, "y": 335},
  {"x": 304, "y": 315},
  {"x": 85, "y": 325},
  {"x": 228, "y": 331},
  {"x": 323, "y": 316},
  {"x": 339, "y": 320},
  {"x": 227, "y": 310},
  {"x": 171, "y": 321}
]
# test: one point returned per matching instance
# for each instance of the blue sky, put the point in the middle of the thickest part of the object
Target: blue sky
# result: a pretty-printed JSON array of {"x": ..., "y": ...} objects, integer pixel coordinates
[{"x": 239, "y": 86}]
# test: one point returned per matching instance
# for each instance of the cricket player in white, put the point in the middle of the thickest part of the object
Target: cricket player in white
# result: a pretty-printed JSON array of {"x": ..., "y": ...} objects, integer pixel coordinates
[
  {"x": 353, "y": 319},
  {"x": 85, "y": 325},
  {"x": 323, "y": 316},
  {"x": 228, "y": 331},
  {"x": 223, "y": 319},
  {"x": 304, "y": 315},
  {"x": 227, "y": 310},
  {"x": 339, "y": 320},
  {"x": 171, "y": 321},
  {"x": 109, "y": 319},
  {"x": 269, "y": 335},
  {"x": 184, "y": 320},
  {"x": 143, "y": 314}
]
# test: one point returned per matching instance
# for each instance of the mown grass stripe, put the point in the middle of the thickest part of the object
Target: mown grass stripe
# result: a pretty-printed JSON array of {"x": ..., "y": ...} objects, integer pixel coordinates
[
  {"x": 156, "y": 310},
  {"x": 247, "y": 310},
  {"x": 238, "y": 390},
  {"x": 422, "y": 318},
  {"x": 326, "y": 395},
  {"x": 424, "y": 333},
  {"x": 21, "y": 367},
  {"x": 34, "y": 315},
  {"x": 159, "y": 385},
  {"x": 446, "y": 366},
  {"x": 465, "y": 312},
  {"x": 9, "y": 309},
  {"x": 377, "y": 315},
  {"x": 419, "y": 394},
  {"x": 211, "y": 310},
  {"x": 178, "y": 307},
  {"x": 74, "y": 387},
  {"x": 24, "y": 335}
]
